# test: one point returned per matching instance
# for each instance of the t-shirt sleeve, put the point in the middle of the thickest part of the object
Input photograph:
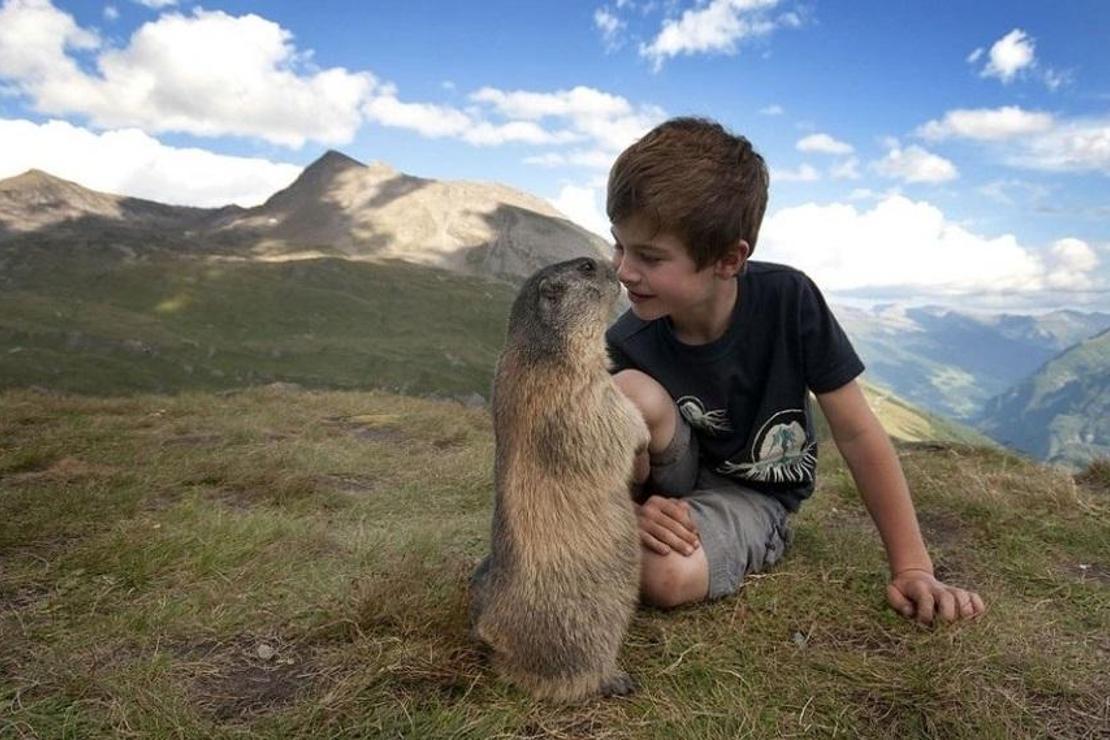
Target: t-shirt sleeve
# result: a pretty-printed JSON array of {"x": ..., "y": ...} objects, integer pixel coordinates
[{"x": 828, "y": 357}]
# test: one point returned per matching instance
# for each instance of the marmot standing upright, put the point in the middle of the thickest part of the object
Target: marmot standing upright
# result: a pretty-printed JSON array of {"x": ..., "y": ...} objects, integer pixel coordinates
[{"x": 554, "y": 597}]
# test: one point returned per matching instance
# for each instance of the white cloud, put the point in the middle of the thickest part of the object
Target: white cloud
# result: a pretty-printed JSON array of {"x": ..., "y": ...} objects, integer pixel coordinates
[
  {"x": 846, "y": 170},
  {"x": 611, "y": 122},
  {"x": 157, "y": 4},
  {"x": 772, "y": 110},
  {"x": 910, "y": 246},
  {"x": 130, "y": 162},
  {"x": 973, "y": 57},
  {"x": 804, "y": 173},
  {"x": 439, "y": 121},
  {"x": 1073, "y": 262},
  {"x": 610, "y": 26},
  {"x": 583, "y": 206},
  {"x": 987, "y": 124},
  {"x": 1080, "y": 145},
  {"x": 208, "y": 74},
  {"x": 1054, "y": 79},
  {"x": 598, "y": 159},
  {"x": 1009, "y": 56},
  {"x": 578, "y": 102},
  {"x": 715, "y": 27},
  {"x": 1040, "y": 141},
  {"x": 1008, "y": 191},
  {"x": 604, "y": 123},
  {"x": 914, "y": 164},
  {"x": 34, "y": 38},
  {"x": 111, "y": 12},
  {"x": 824, "y": 144}
]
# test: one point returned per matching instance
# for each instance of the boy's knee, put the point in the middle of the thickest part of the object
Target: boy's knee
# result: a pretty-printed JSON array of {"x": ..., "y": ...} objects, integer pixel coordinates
[
  {"x": 654, "y": 403},
  {"x": 667, "y": 581}
]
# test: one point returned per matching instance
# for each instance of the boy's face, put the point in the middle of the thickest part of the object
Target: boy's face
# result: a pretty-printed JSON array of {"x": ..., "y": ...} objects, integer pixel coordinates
[{"x": 658, "y": 272}]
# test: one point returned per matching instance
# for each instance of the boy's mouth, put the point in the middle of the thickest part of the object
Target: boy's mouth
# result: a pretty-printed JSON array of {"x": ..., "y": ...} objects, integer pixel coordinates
[{"x": 638, "y": 297}]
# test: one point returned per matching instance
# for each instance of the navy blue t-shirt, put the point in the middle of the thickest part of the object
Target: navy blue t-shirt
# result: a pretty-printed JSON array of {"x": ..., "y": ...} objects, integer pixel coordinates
[{"x": 745, "y": 394}]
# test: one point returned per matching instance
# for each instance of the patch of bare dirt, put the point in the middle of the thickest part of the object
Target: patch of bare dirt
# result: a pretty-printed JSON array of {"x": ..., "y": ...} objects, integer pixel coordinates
[
  {"x": 942, "y": 528},
  {"x": 21, "y": 598},
  {"x": 1092, "y": 572},
  {"x": 371, "y": 427},
  {"x": 246, "y": 676}
]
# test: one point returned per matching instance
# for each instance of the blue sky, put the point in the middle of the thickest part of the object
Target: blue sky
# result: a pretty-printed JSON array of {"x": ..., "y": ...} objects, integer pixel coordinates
[{"x": 925, "y": 152}]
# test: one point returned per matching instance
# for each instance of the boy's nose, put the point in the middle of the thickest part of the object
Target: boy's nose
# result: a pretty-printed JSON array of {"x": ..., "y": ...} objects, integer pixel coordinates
[{"x": 624, "y": 271}]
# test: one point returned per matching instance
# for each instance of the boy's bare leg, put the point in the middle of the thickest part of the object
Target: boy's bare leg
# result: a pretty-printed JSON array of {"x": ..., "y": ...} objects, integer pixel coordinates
[{"x": 674, "y": 568}]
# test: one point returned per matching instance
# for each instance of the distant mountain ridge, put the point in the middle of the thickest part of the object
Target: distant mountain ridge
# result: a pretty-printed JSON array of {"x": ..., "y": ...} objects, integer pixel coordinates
[
  {"x": 952, "y": 362},
  {"x": 113, "y": 292},
  {"x": 338, "y": 206}
]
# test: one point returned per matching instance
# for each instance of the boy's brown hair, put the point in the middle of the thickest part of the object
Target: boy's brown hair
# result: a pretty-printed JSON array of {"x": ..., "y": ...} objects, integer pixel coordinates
[{"x": 695, "y": 180}]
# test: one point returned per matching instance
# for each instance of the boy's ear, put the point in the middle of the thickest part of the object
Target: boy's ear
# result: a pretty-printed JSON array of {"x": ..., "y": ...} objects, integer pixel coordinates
[{"x": 729, "y": 265}]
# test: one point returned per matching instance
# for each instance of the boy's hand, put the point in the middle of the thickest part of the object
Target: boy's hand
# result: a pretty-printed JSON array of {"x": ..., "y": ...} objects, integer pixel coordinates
[
  {"x": 665, "y": 525},
  {"x": 917, "y": 594}
]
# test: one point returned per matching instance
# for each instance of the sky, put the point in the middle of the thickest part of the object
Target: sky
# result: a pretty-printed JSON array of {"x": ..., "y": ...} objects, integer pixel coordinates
[{"x": 945, "y": 153}]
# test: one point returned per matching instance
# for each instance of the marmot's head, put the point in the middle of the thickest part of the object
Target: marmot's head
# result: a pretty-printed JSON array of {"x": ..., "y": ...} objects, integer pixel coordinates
[{"x": 564, "y": 306}]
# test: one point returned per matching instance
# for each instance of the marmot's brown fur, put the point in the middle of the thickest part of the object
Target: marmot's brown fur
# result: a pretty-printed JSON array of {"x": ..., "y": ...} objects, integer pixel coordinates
[{"x": 554, "y": 597}]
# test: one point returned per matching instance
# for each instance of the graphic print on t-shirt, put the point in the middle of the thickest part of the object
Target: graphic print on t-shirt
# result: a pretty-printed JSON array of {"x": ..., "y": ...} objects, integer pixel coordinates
[
  {"x": 780, "y": 452},
  {"x": 709, "y": 422}
]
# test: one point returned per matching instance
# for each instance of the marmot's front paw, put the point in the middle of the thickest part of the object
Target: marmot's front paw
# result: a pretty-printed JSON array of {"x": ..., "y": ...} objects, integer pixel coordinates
[{"x": 619, "y": 684}]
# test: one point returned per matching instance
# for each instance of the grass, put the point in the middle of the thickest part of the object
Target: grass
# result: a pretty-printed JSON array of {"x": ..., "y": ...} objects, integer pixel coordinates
[
  {"x": 274, "y": 563},
  {"x": 166, "y": 324}
]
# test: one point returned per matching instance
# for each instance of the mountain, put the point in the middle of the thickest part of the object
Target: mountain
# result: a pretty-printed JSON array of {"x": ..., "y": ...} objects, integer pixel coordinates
[
  {"x": 337, "y": 206},
  {"x": 952, "y": 362},
  {"x": 36, "y": 201},
  {"x": 1062, "y": 412}
]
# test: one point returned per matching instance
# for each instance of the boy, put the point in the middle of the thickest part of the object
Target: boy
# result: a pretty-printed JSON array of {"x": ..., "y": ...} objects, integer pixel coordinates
[{"x": 718, "y": 354}]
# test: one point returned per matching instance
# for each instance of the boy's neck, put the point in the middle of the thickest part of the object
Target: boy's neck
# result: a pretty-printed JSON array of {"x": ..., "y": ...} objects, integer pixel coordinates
[{"x": 709, "y": 322}]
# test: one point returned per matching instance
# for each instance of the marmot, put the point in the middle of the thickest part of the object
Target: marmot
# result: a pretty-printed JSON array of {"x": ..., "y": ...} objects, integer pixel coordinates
[{"x": 554, "y": 597}]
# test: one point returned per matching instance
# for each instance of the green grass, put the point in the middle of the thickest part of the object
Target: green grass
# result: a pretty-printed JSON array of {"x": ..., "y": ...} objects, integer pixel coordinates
[
  {"x": 275, "y": 563},
  {"x": 166, "y": 325}
]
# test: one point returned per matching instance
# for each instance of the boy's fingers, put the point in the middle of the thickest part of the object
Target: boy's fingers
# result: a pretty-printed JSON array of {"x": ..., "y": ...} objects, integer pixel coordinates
[
  {"x": 675, "y": 526},
  {"x": 980, "y": 607},
  {"x": 922, "y": 596},
  {"x": 653, "y": 544},
  {"x": 899, "y": 601},
  {"x": 668, "y": 537},
  {"x": 680, "y": 512},
  {"x": 946, "y": 605},
  {"x": 963, "y": 601}
]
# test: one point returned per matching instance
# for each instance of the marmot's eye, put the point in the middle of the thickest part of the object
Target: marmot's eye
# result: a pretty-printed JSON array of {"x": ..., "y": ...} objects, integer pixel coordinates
[{"x": 587, "y": 267}]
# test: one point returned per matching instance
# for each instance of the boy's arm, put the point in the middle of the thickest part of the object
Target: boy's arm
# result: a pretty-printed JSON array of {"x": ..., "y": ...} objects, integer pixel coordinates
[{"x": 866, "y": 448}]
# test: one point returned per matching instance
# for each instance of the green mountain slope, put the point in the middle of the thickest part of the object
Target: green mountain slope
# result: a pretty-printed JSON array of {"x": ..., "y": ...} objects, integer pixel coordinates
[
  {"x": 164, "y": 324},
  {"x": 1062, "y": 412}
]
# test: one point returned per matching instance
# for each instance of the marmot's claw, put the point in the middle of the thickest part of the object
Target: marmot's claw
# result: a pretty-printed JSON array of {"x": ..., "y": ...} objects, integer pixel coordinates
[{"x": 619, "y": 684}]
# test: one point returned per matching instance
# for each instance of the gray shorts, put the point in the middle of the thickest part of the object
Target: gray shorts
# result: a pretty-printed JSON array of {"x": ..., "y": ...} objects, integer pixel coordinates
[{"x": 742, "y": 531}]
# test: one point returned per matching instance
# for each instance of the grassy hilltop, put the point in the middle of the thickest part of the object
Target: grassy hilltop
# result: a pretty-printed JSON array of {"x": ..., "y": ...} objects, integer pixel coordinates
[{"x": 272, "y": 563}]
